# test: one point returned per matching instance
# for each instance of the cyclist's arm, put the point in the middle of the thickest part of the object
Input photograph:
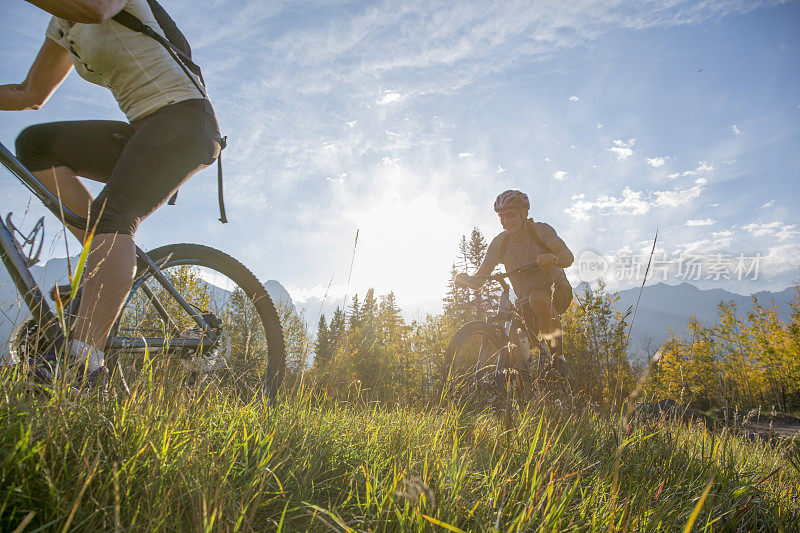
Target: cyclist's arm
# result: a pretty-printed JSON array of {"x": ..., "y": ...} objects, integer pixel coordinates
[
  {"x": 562, "y": 255},
  {"x": 49, "y": 69},
  {"x": 85, "y": 11}
]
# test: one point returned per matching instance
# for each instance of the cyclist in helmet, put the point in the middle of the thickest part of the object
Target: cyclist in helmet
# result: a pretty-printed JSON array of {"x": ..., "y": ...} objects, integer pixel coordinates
[
  {"x": 545, "y": 293},
  {"x": 171, "y": 133}
]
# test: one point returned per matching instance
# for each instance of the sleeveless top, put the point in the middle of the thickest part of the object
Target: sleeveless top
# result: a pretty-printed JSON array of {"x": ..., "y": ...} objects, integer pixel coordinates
[
  {"x": 140, "y": 73},
  {"x": 522, "y": 253}
]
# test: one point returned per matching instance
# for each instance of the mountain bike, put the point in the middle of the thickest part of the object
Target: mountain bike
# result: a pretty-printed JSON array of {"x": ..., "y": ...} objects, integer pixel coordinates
[
  {"x": 506, "y": 363},
  {"x": 189, "y": 302}
]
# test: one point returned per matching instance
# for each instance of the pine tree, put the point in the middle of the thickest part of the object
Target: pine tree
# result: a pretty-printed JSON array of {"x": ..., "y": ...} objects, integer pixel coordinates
[
  {"x": 456, "y": 299},
  {"x": 336, "y": 331},
  {"x": 460, "y": 302},
  {"x": 355, "y": 313},
  {"x": 369, "y": 309},
  {"x": 322, "y": 350}
]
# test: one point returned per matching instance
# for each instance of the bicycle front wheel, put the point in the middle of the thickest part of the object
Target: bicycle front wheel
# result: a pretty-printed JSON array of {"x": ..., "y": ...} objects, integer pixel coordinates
[
  {"x": 249, "y": 350},
  {"x": 472, "y": 358}
]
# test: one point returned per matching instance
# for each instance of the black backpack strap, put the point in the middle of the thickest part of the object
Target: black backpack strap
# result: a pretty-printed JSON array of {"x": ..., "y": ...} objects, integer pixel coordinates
[
  {"x": 181, "y": 53},
  {"x": 530, "y": 227},
  {"x": 173, "y": 33},
  {"x": 187, "y": 65},
  {"x": 223, "y": 142}
]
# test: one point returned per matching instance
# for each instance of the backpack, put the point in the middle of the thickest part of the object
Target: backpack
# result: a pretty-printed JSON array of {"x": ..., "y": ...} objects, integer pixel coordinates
[
  {"x": 178, "y": 47},
  {"x": 530, "y": 229}
]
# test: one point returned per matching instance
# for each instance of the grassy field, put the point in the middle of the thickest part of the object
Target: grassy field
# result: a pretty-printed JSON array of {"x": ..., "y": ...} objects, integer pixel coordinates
[{"x": 176, "y": 458}]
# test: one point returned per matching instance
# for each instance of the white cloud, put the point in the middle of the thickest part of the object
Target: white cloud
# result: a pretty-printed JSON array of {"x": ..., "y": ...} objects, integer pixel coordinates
[
  {"x": 352, "y": 123},
  {"x": 631, "y": 202},
  {"x": 600, "y": 125},
  {"x": 736, "y": 130},
  {"x": 547, "y": 159},
  {"x": 337, "y": 179},
  {"x": 574, "y": 99},
  {"x": 578, "y": 196},
  {"x": 676, "y": 197},
  {"x": 623, "y": 149},
  {"x": 702, "y": 167},
  {"x": 560, "y": 175},
  {"x": 768, "y": 204},
  {"x": 675, "y": 175},
  {"x": 703, "y": 222},
  {"x": 462, "y": 155},
  {"x": 501, "y": 169},
  {"x": 723, "y": 239},
  {"x": 776, "y": 229},
  {"x": 389, "y": 97},
  {"x": 622, "y": 153},
  {"x": 701, "y": 181},
  {"x": 317, "y": 292},
  {"x": 656, "y": 162}
]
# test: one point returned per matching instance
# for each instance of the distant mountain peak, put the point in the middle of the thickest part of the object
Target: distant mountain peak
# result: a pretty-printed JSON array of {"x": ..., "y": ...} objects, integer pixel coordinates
[{"x": 278, "y": 292}]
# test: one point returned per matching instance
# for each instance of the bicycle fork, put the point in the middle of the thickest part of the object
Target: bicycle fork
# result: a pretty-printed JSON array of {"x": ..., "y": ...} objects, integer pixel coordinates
[{"x": 17, "y": 266}]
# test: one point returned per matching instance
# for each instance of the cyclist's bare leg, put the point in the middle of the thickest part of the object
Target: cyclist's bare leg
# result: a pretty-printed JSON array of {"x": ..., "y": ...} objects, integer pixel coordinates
[
  {"x": 557, "y": 333},
  {"x": 108, "y": 278},
  {"x": 547, "y": 318},
  {"x": 62, "y": 182}
]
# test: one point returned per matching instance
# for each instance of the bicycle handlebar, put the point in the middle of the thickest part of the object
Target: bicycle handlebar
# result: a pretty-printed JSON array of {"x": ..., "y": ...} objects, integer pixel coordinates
[{"x": 530, "y": 267}]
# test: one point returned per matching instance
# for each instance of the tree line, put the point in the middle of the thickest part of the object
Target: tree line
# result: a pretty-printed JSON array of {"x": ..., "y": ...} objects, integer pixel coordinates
[
  {"x": 371, "y": 350},
  {"x": 745, "y": 360}
]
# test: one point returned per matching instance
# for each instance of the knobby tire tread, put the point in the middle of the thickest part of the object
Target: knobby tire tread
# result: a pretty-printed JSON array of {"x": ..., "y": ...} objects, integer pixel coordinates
[{"x": 248, "y": 282}]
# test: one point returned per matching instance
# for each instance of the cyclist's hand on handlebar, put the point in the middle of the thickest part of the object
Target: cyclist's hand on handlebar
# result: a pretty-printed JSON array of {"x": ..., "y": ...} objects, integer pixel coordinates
[
  {"x": 546, "y": 260},
  {"x": 466, "y": 280}
]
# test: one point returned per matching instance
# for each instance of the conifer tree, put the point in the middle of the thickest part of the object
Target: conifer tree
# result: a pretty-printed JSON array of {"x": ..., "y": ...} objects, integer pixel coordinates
[{"x": 322, "y": 350}]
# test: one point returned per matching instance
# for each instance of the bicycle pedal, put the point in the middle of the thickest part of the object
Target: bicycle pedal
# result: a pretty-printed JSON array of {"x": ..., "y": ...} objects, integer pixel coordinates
[{"x": 29, "y": 246}]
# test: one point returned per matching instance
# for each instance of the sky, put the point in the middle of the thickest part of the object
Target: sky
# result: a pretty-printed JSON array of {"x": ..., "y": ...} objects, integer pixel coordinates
[{"x": 404, "y": 120}]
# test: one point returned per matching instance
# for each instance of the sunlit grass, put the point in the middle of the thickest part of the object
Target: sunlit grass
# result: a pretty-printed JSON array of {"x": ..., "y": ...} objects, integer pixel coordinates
[{"x": 181, "y": 458}]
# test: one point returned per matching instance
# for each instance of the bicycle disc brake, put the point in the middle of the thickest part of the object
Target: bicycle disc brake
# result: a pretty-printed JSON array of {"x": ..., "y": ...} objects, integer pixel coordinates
[
  {"x": 30, "y": 245},
  {"x": 211, "y": 360}
]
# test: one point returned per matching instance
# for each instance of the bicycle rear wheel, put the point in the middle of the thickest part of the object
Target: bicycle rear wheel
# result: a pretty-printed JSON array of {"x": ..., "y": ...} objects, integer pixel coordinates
[
  {"x": 249, "y": 351},
  {"x": 551, "y": 379}
]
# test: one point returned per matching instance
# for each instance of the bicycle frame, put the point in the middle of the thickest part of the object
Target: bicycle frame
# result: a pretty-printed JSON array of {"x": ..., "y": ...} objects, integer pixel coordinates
[{"x": 15, "y": 263}]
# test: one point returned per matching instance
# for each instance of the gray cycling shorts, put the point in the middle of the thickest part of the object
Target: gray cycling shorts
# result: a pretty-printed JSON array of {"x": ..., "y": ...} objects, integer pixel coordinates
[{"x": 142, "y": 163}]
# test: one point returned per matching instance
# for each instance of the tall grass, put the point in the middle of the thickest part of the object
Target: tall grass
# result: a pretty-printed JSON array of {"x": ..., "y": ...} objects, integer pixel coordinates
[{"x": 181, "y": 458}]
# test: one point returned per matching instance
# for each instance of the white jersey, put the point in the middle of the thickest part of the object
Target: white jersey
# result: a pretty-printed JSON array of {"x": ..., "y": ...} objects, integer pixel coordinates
[{"x": 141, "y": 74}]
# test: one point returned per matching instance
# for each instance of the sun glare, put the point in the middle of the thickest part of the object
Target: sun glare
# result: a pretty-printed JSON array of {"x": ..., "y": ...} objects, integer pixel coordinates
[{"x": 406, "y": 245}]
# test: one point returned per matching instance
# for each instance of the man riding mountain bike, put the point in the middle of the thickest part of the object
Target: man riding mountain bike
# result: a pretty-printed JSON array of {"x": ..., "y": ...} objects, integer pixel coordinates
[
  {"x": 543, "y": 294},
  {"x": 171, "y": 134}
]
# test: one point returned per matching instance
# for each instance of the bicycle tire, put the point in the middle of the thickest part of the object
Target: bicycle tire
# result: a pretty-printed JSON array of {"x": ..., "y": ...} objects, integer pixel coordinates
[
  {"x": 552, "y": 379},
  {"x": 463, "y": 380},
  {"x": 196, "y": 255}
]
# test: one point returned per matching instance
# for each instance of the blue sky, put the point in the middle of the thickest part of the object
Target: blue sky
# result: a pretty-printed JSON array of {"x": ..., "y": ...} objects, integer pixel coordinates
[{"x": 405, "y": 119}]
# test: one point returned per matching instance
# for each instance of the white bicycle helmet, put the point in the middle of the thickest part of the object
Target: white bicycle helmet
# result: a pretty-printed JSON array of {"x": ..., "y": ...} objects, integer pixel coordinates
[{"x": 512, "y": 199}]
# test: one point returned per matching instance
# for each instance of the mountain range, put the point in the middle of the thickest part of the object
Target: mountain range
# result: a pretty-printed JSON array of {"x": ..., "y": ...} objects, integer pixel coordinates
[{"x": 663, "y": 307}]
